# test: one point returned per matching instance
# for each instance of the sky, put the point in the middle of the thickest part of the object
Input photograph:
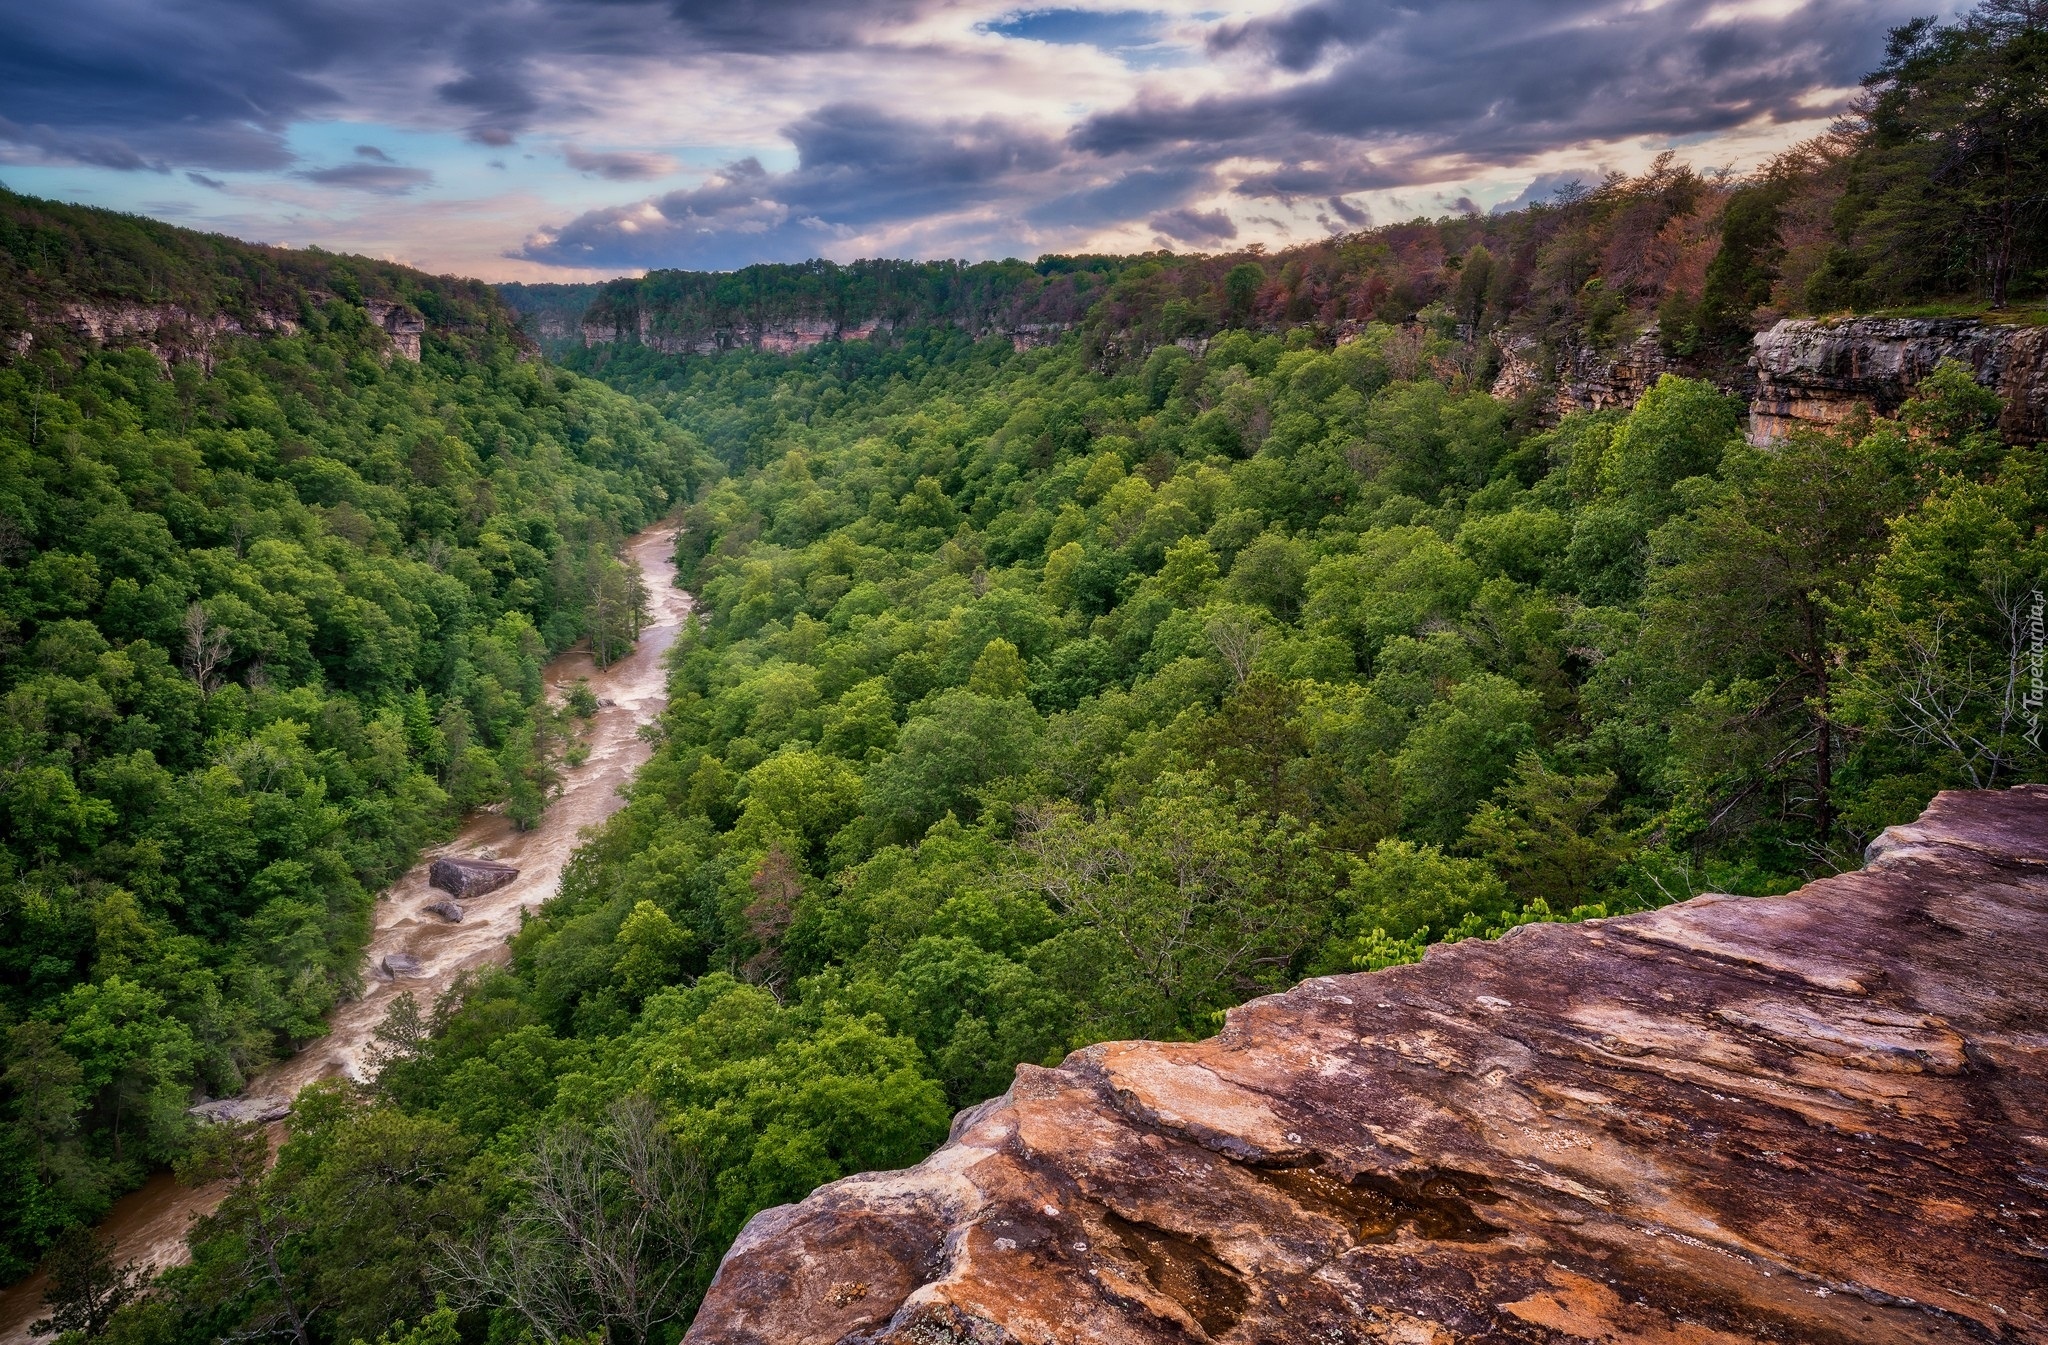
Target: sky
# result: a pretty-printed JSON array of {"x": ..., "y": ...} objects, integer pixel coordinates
[{"x": 582, "y": 139}]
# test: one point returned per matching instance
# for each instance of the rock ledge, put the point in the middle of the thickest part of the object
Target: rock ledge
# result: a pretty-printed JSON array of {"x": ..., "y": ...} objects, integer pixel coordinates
[{"x": 1821, "y": 1117}]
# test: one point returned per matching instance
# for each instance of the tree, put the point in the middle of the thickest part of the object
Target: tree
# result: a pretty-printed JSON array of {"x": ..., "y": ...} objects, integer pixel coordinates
[
  {"x": 86, "y": 1288},
  {"x": 962, "y": 742},
  {"x": 1743, "y": 602},
  {"x": 1543, "y": 832},
  {"x": 998, "y": 672},
  {"x": 1195, "y": 903},
  {"x": 606, "y": 1232},
  {"x": 617, "y": 608},
  {"x": 206, "y": 649},
  {"x": 1949, "y": 187},
  {"x": 254, "y": 1220},
  {"x": 1403, "y": 894}
]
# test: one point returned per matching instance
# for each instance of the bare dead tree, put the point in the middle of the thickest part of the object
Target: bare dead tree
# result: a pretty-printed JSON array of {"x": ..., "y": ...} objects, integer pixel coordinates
[
  {"x": 1238, "y": 641},
  {"x": 206, "y": 649},
  {"x": 608, "y": 1233}
]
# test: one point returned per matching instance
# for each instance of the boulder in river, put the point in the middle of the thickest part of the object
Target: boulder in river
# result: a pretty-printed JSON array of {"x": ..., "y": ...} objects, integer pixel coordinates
[
  {"x": 256, "y": 1107},
  {"x": 470, "y": 877},
  {"x": 402, "y": 964},
  {"x": 451, "y": 911}
]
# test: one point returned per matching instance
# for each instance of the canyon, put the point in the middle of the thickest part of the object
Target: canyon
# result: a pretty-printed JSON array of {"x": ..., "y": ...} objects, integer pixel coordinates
[
  {"x": 1816, "y": 1117},
  {"x": 414, "y": 949}
]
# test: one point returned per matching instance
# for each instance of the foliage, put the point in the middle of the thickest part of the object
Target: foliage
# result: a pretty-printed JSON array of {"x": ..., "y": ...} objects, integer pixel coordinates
[{"x": 271, "y": 617}]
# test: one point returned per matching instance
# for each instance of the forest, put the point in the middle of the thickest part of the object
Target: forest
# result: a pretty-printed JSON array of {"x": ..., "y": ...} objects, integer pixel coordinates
[
  {"x": 1038, "y": 697},
  {"x": 268, "y": 624}
]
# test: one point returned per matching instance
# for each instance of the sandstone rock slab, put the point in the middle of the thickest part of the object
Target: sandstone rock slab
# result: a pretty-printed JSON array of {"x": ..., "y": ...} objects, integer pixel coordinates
[
  {"x": 469, "y": 877},
  {"x": 1821, "y": 1117},
  {"x": 451, "y": 911},
  {"x": 401, "y": 964}
]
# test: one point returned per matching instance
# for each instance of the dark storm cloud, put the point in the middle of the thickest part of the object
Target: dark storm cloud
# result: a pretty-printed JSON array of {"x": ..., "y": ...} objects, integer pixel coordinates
[
  {"x": 1188, "y": 225},
  {"x": 215, "y": 84},
  {"x": 624, "y": 166},
  {"x": 858, "y": 167},
  {"x": 383, "y": 179},
  {"x": 1490, "y": 83}
]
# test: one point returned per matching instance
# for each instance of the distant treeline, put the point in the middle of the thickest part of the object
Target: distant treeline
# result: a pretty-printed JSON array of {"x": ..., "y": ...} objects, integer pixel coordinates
[{"x": 1934, "y": 192}]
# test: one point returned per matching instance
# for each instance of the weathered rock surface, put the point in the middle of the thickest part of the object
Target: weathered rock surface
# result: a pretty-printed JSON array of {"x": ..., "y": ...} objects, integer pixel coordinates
[
  {"x": 400, "y": 964},
  {"x": 1821, "y": 1117},
  {"x": 1820, "y": 373},
  {"x": 262, "y": 1107},
  {"x": 1586, "y": 379},
  {"x": 470, "y": 877},
  {"x": 451, "y": 911}
]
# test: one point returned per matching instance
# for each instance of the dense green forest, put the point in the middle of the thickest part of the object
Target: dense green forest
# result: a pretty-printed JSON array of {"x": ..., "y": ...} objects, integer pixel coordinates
[
  {"x": 1039, "y": 697},
  {"x": 268, "y": 622},
  {"x": 1036, "y": 707}
]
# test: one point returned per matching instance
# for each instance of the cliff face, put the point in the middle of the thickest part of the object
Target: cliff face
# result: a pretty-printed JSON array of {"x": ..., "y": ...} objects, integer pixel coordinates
[
  {"x": 1820, "y": 373},
  {"x": 1821, "y": 1117},
  {"x": 73, "y": 275},
  {"x": 1587, "y": 379},
  {"x": 173, "y": 332}
]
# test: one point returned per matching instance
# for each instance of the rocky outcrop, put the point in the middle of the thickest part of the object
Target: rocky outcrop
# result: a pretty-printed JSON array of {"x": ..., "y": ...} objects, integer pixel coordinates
[
  {"x": 1822, "y": 373},
  {"x": 469, "y": 877},
  {"x": 261, "y": 1108},
  {"x": 1821, "y": 1117},
  {"x": 402, "y": 323},
  {"x": 396, "y": 965},
  {"x": 451, "y": 911},
  {"x": 173, "y": 332},
  {"x": 1587, "y": 379}
]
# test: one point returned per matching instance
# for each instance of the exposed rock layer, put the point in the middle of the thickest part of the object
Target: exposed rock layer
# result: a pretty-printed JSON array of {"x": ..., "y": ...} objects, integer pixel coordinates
[
  {"x": 173, "y": 332},
  {"x": 1587, "y": 379},
  {"x": 1821, "y": 373},
  {"x": 1821, "y": 1118}
]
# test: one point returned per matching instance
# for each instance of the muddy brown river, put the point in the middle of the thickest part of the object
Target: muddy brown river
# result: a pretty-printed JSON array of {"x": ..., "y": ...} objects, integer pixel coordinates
[{"x": 148, "y": 1224}]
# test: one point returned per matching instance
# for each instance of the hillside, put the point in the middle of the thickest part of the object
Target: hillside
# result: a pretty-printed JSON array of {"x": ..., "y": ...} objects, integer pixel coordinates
[{"x": 286, "y": 536}]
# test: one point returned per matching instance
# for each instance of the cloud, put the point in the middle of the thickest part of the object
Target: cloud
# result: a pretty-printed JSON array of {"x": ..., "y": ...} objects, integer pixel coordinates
[
  {"x": 1389, "y": 93},
  {"x": 957, "y": 127},
  {"x": 1188, "y": 225},
  {"x": 624, "y": 166},
  {"x": 1545, "y": 187},
  {"x": 859, "y": 167},
  {"x": 202, "y": 180},
  {"x": 383, "y": 179}
]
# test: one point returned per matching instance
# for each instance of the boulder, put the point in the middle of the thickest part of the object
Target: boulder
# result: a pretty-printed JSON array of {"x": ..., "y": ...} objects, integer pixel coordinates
[
  {"x": 401, "y": 964},
  {"x": 469, "y": 877},
  {"x": 450, "y": 911},
  {"x": 256, "y": 1107},
  {"x": 1817, "y": 1117}
]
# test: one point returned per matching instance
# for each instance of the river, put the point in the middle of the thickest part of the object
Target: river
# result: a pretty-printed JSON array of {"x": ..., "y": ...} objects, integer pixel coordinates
[{"x": 148, "y": 1224}]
